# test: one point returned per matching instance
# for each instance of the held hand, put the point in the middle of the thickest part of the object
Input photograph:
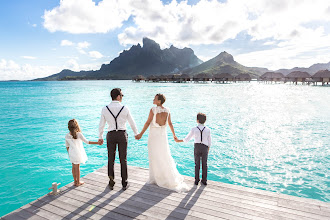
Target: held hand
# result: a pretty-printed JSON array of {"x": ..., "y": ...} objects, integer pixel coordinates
[
  {"x": 175, "y": 138},
  {"x": 138, "y": 137},
  {"x": 100, "y": 141}
]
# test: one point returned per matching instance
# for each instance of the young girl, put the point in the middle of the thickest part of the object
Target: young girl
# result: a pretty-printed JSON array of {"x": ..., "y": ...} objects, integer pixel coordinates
[{"x": 75, "y": 148}]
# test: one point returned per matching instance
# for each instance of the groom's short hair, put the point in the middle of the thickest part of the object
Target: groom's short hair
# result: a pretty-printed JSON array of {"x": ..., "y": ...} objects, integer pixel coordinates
[
  {"x": 201, "y": 117},
  {"x": 115, "y": 93}
]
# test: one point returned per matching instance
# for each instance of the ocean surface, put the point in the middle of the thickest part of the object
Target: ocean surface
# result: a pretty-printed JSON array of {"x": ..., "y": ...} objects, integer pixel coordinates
[{"x": 273, "y": 137}]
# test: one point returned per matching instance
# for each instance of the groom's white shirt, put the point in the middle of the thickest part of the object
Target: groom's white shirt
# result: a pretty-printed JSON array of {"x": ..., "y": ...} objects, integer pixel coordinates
[
  {"x": 196, "y": 134},
  {"x": 123, "y": 117}
]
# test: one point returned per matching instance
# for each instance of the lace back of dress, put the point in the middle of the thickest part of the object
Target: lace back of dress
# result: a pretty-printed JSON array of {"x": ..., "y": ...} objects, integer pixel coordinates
[{"x": 161, "y": 115}]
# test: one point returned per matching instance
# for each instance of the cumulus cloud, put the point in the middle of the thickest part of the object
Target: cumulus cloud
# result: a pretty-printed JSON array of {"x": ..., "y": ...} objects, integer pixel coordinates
[
  {"x": 66, "y": 43},
  {"x": 73, "y": 65},
  {"x": 206, "y": 22},
  {"x": 282, "y": 24},
  {"x": 84, "y": 16},
  {"x": 10, "y": 70},
  {"x": 83, "y": 45},
  {"x": 95, "y": 54}
]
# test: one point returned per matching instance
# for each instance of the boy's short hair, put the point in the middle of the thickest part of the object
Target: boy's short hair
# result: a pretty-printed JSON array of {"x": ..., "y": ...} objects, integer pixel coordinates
[
  {"x": 115, "y": 93},
  {"x": 201, "y": 117},
  {"x": 161, "y": 97}
]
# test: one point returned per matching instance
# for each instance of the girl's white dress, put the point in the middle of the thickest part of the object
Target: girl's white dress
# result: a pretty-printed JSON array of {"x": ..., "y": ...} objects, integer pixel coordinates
[
  {"x": 77, "y": 152},
  {"x": 162, "y": 168}
]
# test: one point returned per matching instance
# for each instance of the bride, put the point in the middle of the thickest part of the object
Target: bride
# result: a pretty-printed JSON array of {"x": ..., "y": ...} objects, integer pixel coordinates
[{"x": 162, "y": 168}]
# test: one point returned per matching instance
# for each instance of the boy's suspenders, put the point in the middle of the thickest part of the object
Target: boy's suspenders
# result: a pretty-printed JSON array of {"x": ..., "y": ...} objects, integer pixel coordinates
[
  {"x": 115, "y": 117},
  {"x": 201, "y": 133}
]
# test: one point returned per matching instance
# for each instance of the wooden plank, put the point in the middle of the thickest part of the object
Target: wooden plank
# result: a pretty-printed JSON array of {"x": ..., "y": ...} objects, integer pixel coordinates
[
  {"x": 218, "y": 200},
  {"x": 240, "y": 207},
  {"x": 206, "y": 205},
  {"x": 261, "y": 192},
  {"x": 151, "y": 206}
]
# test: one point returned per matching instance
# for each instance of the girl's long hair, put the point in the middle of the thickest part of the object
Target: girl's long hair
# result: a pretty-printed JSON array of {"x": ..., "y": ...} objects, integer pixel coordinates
[{"x": 73, "y": 127}]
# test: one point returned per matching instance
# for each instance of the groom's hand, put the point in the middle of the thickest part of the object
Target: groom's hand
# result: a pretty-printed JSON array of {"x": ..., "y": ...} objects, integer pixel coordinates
[
  {"x": 100, "y": 141},
  {"x": 138, "y": 136}
]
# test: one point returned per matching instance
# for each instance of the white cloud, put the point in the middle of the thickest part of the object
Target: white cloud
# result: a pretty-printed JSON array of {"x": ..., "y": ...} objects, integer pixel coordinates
[
  {"x": 10, "y": 70},
  {"x": 73, "y": 65},
  {"x": 95, "y": 54},
  {"x": 34, "y": 25},
  {"x": 206, "y": 22},
  {"x": 284, "y": 25},
  {"x": 83, "y": 45},
  {"x": 66, "y": 43},
  {"x": 84, "y": 16},
  {"x": 29, "y": 57},
  {"x": 80, "y": 46}
]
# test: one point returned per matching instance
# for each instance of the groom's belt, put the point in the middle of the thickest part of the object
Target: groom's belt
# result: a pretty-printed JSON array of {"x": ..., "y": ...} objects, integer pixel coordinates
[{"x": 117, "y": 130}]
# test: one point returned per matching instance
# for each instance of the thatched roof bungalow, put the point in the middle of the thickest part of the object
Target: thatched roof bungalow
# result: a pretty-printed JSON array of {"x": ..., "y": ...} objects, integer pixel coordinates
[
  {"x": 139, "y": 78},
  {"x": 297, "y": 76},
  {"x": 162, "y": 78},
  {"x": 272, "y": 76},
  {"x": 243, "y": 77},
  {"x": 204, "y": 77},
  {"x": 182, "y": 78},
  {"x": 152, "y": 78},
  {"x": 322, "y": 76},
  {"x": 224, "y": 77}
]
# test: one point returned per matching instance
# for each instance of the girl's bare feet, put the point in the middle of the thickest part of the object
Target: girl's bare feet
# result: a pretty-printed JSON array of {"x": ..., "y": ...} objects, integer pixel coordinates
[
  {"x": 80, "y": 183},
  {"x": 75, "y": 183}
]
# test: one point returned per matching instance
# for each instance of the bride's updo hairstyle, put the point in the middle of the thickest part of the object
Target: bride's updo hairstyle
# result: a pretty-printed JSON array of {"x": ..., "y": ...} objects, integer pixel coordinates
[
  {"x": 73, "y": 127},
  {"x": 161, "y": 97}
]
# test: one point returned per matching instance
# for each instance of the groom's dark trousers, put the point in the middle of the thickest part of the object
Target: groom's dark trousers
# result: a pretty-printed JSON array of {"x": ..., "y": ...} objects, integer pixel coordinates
[
  {"x": 114, "y": 139},
  {"x": 200, "y": 152}
]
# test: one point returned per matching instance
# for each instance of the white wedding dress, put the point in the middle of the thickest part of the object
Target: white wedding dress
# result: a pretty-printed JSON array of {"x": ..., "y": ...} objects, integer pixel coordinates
[{"x": 162, "y": 168}]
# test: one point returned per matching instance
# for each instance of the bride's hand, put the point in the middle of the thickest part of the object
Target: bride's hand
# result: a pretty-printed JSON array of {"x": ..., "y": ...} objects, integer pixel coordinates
[
  {"x": 175, "y": 138},
  {"x": 138, "y": 136}
]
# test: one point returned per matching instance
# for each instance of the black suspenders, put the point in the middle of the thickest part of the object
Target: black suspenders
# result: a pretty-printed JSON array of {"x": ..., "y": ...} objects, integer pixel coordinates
[
  {"x": 201, "y": 134},
  {"x": 115, "y": 117}
]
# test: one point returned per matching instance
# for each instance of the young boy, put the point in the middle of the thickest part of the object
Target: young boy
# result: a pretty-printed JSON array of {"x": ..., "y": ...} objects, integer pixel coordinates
[{"x": 202, "y": 137}]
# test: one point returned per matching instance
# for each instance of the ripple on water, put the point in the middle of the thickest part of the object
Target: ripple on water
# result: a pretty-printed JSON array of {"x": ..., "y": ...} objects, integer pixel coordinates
[{"x": 270, "y": 137}]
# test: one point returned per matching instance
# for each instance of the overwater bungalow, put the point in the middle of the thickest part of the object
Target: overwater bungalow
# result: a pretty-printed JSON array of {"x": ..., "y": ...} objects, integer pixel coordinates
[
  {"x": 162, "y": 78},
  {"x": 152, "y": 78},
  {"x": 271, "y": 77},
  {"x": 139, "y": 78},
  {"x": 182, "y": 78},
  {"x": 223, "y": 77},
  {"x": 243, "y": 77},
  {"x": 202, "y": 77},
  {"x": 322, "y": 76},
  {"x": 171, "y": 78},
  {"x": 297, "y": 76}
]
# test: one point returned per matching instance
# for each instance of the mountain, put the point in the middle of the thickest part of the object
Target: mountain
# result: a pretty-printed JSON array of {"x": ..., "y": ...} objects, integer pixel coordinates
[
  {"x": 225, "y": 63},
  {"x": 147, "y": 60},
  {"x": 311, "y": 70}
]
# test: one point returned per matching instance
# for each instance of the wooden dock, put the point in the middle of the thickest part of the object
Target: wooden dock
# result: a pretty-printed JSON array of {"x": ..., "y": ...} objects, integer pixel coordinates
[{"x": 217, "y": 200}]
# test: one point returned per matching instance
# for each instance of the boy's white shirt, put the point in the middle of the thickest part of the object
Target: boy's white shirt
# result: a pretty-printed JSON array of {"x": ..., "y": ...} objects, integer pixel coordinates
[{"x": 196, "y": 134}]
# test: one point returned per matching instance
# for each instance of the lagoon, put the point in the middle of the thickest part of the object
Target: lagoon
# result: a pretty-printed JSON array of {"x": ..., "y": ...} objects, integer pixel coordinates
[{"x": 273, "y": 137}]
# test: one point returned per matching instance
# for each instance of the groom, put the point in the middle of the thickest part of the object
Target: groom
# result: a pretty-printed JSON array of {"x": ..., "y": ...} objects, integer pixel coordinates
[{"x": 116, "y": 115}]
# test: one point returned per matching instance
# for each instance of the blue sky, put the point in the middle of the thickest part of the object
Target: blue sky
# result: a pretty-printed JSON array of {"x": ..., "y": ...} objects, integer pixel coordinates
[{"x": 41, "y": 37}]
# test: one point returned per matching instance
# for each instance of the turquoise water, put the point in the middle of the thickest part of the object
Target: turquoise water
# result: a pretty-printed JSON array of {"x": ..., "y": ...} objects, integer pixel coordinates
[{"x": 271, "y": 137}]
